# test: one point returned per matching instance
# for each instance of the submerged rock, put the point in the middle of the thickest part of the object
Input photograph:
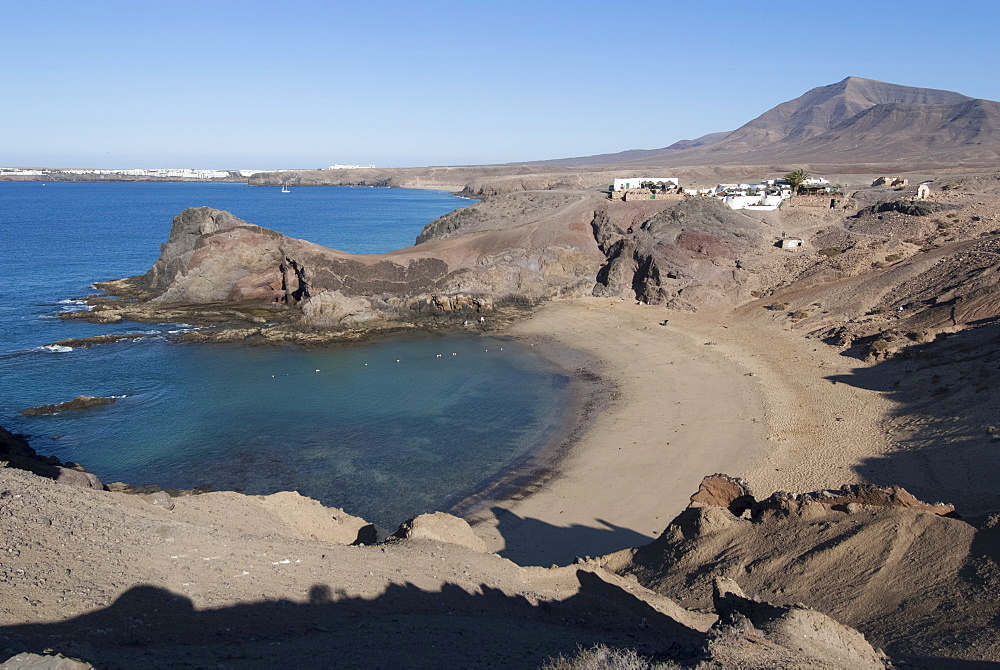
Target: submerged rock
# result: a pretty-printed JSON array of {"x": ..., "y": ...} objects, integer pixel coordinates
[{"x": 79, "y": 402}]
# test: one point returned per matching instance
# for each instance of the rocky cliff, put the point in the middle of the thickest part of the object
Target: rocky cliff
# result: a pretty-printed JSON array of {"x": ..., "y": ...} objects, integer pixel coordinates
[
  {"x": 919, "y": 584},
  {"x": 686, "y": 256},
  {"x": 217, "y": 262}
]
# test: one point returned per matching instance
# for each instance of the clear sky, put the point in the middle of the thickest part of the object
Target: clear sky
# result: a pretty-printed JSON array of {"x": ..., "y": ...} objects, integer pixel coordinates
[{"x": 248, "y": 84}]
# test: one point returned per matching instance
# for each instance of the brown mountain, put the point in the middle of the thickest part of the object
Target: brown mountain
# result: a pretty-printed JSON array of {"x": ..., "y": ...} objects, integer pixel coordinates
[{"x": 852, "y": 121}]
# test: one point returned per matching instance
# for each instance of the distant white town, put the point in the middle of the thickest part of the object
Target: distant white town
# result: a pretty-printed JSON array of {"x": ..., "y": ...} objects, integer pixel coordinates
[{"x": 156, "y": 173}]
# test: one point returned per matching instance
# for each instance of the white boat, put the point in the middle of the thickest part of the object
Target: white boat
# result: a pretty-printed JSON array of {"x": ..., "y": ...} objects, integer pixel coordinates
[{"x": 284, "y": 188}]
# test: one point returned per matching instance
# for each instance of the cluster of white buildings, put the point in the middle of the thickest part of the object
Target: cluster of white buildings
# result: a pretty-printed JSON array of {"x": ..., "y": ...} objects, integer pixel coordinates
[
  {"x": 159, "y": 173},
  {"x": 765, "y": 195},
  {"x": 18, "y": 172},
  {"x": 644, "y": 183}
]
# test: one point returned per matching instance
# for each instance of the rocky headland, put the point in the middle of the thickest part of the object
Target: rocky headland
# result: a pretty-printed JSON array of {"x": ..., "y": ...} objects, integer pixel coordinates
[{"x": 267, "y": 287}]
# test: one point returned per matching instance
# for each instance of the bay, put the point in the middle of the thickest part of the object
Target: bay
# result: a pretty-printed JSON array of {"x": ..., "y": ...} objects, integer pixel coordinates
[{"x": 349, "y": 426}]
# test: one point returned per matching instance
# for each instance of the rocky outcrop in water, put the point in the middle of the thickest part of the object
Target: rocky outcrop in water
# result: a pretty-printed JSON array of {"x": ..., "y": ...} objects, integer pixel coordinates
[
  {"x": 15, "y": 452},
  {"x": 79, "y": 402},
  {"x": 216, "y": 267}
]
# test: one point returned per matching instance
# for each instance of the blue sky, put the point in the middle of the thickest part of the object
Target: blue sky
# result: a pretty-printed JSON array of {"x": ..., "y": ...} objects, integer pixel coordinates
[{"x": 219, "y": 84}]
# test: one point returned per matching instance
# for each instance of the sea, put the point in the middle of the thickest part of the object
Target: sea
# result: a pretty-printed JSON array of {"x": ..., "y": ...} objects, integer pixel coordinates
[{"x": 386, "y": 429}]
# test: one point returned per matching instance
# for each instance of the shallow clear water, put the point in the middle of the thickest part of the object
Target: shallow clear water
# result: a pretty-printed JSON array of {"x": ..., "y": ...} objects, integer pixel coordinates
[{"x": 349, "y": 426}]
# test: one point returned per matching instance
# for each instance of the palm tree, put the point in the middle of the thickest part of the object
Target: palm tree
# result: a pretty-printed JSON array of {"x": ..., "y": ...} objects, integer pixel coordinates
[{"x": 795, "y": 178}]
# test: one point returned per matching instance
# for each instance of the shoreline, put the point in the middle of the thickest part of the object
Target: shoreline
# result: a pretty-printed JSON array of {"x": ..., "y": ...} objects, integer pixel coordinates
[
  {"x": 653, "y": 409},
  {"x": 589, "y": 394},
  {"x": 683, "y": 401}
]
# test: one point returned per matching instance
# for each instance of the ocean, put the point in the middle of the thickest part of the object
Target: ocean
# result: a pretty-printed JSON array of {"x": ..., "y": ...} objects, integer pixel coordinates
[{"x": 386, "y": 429}]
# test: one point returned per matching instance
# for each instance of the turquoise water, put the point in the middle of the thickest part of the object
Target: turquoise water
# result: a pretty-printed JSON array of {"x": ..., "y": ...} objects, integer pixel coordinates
[{"x": 349, "y": 426}]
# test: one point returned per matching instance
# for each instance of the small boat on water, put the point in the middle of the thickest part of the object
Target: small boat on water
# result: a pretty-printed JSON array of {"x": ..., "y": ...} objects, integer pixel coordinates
[{"x": 284, "y": 188}]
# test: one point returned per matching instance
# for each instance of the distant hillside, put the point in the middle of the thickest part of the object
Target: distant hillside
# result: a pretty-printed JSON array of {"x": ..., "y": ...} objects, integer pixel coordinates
[
  {"x": 853, "y": 121},
  {"x": 637, "y": 156}
]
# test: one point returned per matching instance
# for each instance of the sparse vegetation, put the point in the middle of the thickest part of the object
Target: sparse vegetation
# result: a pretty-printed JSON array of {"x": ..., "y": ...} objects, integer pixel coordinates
[
  {"x": 881, "y": 347},
  {"x": 777, "y": 306},
  {"x": 602, "y": 657},
  {"x": 892, "y": 258},
  {"x": 795, "y": 178},
  {"x": 830, "y": 251},
  {"x": 798, "y": 315}
]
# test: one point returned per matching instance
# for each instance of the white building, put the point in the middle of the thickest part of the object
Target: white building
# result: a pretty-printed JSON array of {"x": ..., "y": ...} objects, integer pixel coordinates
[
  {"x": 759, "y": 202},
  {"x": 644, "y": 182},
  {"x": 766, "y": 195}
]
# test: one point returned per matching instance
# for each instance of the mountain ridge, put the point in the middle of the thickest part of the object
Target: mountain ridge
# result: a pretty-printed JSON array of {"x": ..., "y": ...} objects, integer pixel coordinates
[{"x": 856, "y": 119}]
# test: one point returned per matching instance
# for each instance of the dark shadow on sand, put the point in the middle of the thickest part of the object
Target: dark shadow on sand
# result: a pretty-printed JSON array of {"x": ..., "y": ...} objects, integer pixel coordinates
[
  {"x": 948, "y": 392},
  {"x": 535, "y": 542},
  {"x": 405, "y": 627}
]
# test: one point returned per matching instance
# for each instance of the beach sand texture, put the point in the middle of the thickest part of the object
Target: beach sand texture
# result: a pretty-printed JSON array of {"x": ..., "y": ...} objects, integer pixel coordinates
[{"x": 698, "y": 395}]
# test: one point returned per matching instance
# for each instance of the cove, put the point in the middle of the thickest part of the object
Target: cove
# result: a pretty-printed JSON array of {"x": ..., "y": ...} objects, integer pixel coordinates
[{"x": 383, "y": 439}]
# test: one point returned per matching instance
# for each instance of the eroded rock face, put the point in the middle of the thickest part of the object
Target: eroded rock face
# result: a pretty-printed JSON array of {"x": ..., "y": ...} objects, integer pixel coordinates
[
  {"x": 724, "y": 491},
  {"x": 856, "y": 495},
  {"x": 310, "y": 519},
  {"x": 29, "y": 661},
  {"x": 685, "y": 256},
  {"x": 818, "y": 640},
  {"x": 872, "y": 558},
  {"x": 215, "y": 259}
]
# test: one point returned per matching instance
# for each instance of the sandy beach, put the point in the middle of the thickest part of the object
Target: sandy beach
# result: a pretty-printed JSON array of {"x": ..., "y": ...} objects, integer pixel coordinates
[{"x": 704, "y": 393}]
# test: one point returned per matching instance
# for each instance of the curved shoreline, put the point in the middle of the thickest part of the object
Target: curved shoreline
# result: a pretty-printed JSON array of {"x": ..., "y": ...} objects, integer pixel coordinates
[
  {"x": 589, "y": 394},
  {"x": 652, "y": 410},
  {"x": 690, "y": 398}
]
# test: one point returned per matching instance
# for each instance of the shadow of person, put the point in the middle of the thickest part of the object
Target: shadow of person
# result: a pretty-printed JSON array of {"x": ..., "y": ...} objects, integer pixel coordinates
[{"x": 534, "y": 542}]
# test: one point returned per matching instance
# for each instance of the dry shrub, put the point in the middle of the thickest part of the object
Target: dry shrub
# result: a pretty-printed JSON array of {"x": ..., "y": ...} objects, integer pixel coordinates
[
  {"x": 883, "y": 346},
  {"x": 602, "y": 657},
  {"x": 831, "y": 251}
]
